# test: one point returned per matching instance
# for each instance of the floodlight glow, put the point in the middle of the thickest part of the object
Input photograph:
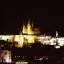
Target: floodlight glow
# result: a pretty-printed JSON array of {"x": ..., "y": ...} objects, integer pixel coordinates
[
  {"x": 57, "y": 47},
  {"x": 8, "y": 60}
]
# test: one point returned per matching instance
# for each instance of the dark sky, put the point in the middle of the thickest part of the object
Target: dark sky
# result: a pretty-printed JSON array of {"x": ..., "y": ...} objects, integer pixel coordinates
[{"x": 48, "y": 19}]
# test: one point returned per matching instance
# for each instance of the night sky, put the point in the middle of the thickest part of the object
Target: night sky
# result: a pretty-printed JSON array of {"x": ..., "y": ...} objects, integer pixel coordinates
[{"x": 48, "y": 19}]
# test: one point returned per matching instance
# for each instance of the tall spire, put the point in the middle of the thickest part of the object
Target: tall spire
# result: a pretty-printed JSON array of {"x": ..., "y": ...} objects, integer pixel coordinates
[
  {"x": 29, "y": 27},
  {"x": 29, "y": 21},
  {"x": 24, "y": 29}
]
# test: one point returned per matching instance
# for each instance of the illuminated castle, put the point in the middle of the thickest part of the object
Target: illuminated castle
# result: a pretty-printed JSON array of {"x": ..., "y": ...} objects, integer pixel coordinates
[{"x": 28, "y": 36}]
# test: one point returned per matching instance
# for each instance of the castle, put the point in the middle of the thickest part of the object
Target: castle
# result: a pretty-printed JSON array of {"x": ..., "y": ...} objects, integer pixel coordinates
[{"x": 28, "y": 36}]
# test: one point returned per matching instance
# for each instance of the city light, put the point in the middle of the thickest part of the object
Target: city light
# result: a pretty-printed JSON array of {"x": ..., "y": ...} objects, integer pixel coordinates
[
  {"x": 6, "y": 56},
  {"x": 8, "y": 60},
  {"x": 57, "y": 47},
  {"x": 21, "y": 62}
]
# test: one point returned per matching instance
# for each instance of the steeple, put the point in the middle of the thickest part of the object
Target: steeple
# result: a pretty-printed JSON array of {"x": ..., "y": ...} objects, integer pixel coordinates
[
  {"x": 28, "y": 25},
  {"x": 29, "y": 29},
  {"x": 24, "y": 29}
]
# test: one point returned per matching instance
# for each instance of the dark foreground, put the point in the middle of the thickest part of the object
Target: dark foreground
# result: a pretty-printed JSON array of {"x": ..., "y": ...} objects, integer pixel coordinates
[{"x": 47, "y": 53}]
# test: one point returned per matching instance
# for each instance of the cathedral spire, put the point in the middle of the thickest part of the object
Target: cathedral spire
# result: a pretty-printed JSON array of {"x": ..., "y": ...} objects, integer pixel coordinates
[{"x": 24, "y": 29}]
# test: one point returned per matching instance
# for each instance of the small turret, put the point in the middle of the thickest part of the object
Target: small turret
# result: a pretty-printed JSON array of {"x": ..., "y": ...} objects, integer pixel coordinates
[
  {"x": 56, "y": 33},
  {"x": 56, "y": 37},
  {"x": 24, "y": 29},
  {"x": 32, "y": 24}
]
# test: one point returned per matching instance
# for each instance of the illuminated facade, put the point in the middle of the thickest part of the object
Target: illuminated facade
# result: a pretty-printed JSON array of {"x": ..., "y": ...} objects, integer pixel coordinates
[{"x": 28, "y": 36}]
